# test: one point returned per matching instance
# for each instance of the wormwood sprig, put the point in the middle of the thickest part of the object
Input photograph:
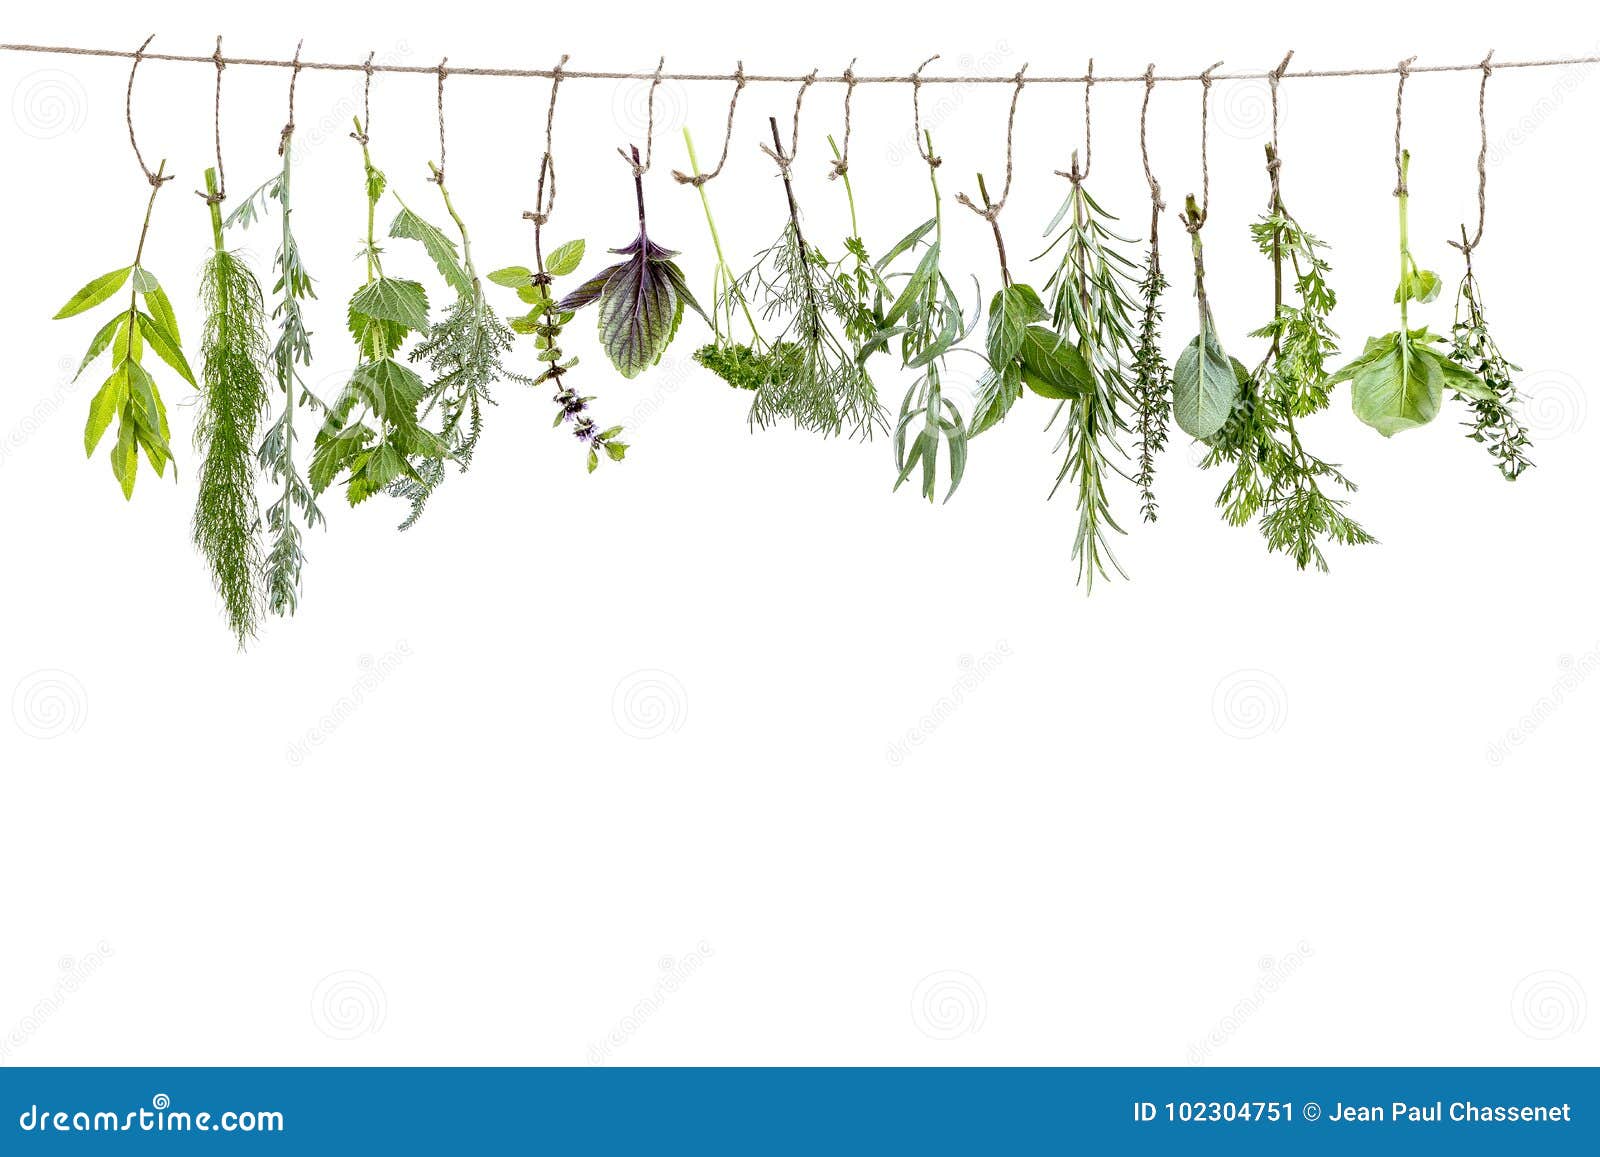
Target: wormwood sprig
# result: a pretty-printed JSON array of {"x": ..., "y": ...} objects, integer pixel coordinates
[
  {"x": 233, "y": 398},
  {"x": 1398, "y": 381},
  {"x": 641, "y": 298},
  {"x": 371, "y": 433},
  {"x": 1273, "y": 473},
  {"x": 129, "y": 395},
  {"x": 925, "y": 316},
  {"x": 1494, "y": 423},
  {"x": 464, "y": 350},
  {"x": 295, "y": 502},
  {"x": 1091, "y": 300}
]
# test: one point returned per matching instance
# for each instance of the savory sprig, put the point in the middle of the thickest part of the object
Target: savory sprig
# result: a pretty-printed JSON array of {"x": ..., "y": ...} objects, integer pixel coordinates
[
  {"x": 1091, "y": 300},
  {"x": 233, "y": 398},
  {"x": 1494, "y": 423},
  {"x": 295, "y": 503},
  {"x": 925, "y": 316},
  {"x": 130, "y": 395},
  {"x": 641, "y": 298},
  {"x": 1152, "y": 383},
  {"x": 1398, "y": 381},
  {"x": 371, "y": 434}
]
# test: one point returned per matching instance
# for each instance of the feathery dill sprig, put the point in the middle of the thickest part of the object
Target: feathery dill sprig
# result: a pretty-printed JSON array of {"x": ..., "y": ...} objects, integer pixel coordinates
[
  {"x": 295, "y": 503},
  {"x": 233, "y": 397},
  {"x": 1092, "y": 304},
  {"x": 1493, "y": 424}
]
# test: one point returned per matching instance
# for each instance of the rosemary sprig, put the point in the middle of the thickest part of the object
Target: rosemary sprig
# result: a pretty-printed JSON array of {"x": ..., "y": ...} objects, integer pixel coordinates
[
  {"x": 233, "y": 398},
  {"x": 285, "y": 557}
]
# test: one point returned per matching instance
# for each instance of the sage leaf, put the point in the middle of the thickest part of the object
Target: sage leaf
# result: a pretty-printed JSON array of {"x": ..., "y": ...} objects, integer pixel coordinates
[{"x": 1204, "y": 387}]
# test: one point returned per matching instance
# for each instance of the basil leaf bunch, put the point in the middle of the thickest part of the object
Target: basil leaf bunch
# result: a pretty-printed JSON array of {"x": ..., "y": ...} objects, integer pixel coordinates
[
  {"x": 641, "y": 298},
  {"x": 130, "y": 395},
  {"x": 1399, "y": 380}
]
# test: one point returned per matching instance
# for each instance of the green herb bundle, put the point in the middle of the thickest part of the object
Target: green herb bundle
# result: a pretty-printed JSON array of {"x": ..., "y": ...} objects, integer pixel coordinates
[
  {"x": 1152, "y": 377},
  {"x": 295, "y": 502},
  {"x": 1091, "y": 294},
  {"x": 371, "y": 434},
  {"x": 925, "y": 316},
  {"x": 233, "y": 398},
  {"x": 129, "y": 395},
  {"x": 1494, "y": 423},
  {"x": 1272, "y": 472},
  {"x": 1399, "y": 380},
  {"x": 641, "y": 298}
]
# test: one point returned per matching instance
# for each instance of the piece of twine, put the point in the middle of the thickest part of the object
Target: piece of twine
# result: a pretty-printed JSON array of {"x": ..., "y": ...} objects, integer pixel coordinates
[
  {"x": 540, "y": 213},
  {"x": 916, "y": 114},
  {"x": 841, "y": 163},
  {"x": 990, "y": 211},
  {"x": 366, "y": 105},
  {"x": 1275, "y": 161},
  {"x": 437, "y": 177},
  {"x": 1075, "y": 175},
  {"x": 1404, "y": 68},
  {"x": 294, "y": 77},
  {"x": 699, "y": 179},
  {"x": 632, "y": 157},
  {"x": 156, "y": 179},
  {"x": 221, "y": 194},
  {"x": 1465, "y": 245},
  {"x": 1197, "y": 221},
  {"x": 783, "y": 159},
  {"x": 1156, "y": 203}
]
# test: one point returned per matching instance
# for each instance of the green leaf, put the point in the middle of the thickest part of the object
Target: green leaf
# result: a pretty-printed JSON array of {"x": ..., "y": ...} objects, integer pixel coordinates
[
  {"x": 106, "y": 405},
  {"x": 1398, "y": 386},
  {"x": 100, "y": 342},
  {"x": 95, "y": 292},
  {"x": 161, "y": 310},
  {"x": 440, "y": 248},
  {"x": 564, "y": 259},
  {"x": 1011, "y": 311},
  {"x": 392, "y": 299},
  {"x": 1052, "y": 367},
  {"x": 1204, "y": 388},
  {"x": 512, "y": 276},
  {"x": 998, "y": 391},
  {"x": 161, "y": 342},
  {"x": 125, "y": 457}
]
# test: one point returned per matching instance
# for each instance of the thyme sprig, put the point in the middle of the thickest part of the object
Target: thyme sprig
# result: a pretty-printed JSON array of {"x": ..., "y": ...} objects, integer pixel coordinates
[{"x": 1494, "y": 423}]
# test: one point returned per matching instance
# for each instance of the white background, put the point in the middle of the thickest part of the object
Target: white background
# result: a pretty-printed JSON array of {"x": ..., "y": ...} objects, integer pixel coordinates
[{"x": 601, "y": 768}]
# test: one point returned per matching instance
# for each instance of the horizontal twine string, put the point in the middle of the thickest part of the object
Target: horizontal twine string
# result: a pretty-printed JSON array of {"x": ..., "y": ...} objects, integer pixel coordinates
[{"x": 773, "y": 78}]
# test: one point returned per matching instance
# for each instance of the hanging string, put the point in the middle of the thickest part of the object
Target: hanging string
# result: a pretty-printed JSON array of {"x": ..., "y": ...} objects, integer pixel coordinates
[
  {"x": 1404, "y": 69},
  {"x": 640, "y": 170},
  {"x": 1156, "y": 203},
  {"x": 540, "y": 213},
  {"x": 1074, "y": 175},
  {"x": 785, "y": 160},
  {"x": 1466, "y": 246},
  {"x": 841, "y": 164},
  {"x": 366, "y": 104},
  {"x": 1275, "y": 158},
  {"x": 699, "y": 179},
  {"x": 438, "y": 173},
  {"x": 991, "y": 210},
  {"x": 1197, "y": 221},
  {"x": 294, "y": 77},
  {"x": 216, "y": 119},
  {"x": 156, "y": 179},
  {"x": 916, "y": 114}
]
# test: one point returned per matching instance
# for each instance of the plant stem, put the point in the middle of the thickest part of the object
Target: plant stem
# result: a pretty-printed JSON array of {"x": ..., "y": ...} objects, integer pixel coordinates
[
  {"x": 723, "y": 268},
  {"x": 849, "y": 193},
  {"x": 138, "y": 256},
  {"x": 461, "y": 226},
  {"x": 999, "y": 241},
  {"x": 638, "y": 187},
  {"x": 216, "y": 209},
  {"x": 794, "y": 223},
  {"x": 1405, "y": 242}
]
